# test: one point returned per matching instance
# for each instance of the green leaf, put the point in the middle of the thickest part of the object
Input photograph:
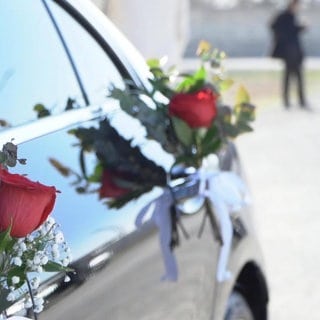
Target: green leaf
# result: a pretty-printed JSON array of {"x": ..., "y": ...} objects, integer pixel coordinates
[
  {"x": 242, "y": 96},
  {"x": 183, "y": 132},
  {"x": 19, "y": 272},
  {"x": 212, "y": 134},
  {"x": 193, "y": 82},
  {"x": 214, "y": 147},
  {"x": 243, "y": 127},
  {"x": 225, "y": 84},
  {"x": 5, "y": 239},
  {"x": 2, "y": 157},
  {"x": 153, "y": 63},
  {"x": 97, "y": 174},
  {"x": 200, "y": 74},
  {"x": 52, "y": 266},
  {"x": 41, "y": 110}
]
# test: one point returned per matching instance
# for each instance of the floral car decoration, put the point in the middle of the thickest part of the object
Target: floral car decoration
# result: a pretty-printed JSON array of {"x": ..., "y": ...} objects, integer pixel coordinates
[
  {"x": 188, "y": 119},
  {"x": 30, "y": 240},
  {"x": 185, "y": 114}
]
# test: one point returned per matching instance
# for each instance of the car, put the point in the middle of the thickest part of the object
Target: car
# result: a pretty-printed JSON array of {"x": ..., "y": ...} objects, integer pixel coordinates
[{"x": 61, "y": 56}]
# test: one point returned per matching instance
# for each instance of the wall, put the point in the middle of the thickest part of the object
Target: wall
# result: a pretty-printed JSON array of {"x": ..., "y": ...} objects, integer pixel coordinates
[{"x": 155, "y": 27}]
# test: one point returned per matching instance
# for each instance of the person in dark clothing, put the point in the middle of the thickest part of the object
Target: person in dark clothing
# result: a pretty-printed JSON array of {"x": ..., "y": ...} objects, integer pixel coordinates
[{"x": 287, "y": 47}]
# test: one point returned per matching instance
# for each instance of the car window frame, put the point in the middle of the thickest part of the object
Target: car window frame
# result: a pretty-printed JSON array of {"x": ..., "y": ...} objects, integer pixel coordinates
[{"x": 100, "y": 40}]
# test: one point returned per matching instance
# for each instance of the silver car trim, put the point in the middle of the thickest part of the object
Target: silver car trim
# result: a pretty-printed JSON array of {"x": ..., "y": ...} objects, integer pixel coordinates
[{"x": 43, "y": 126}]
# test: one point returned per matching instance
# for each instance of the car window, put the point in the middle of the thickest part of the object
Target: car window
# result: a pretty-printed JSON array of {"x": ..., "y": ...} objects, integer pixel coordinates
[
  {"x": 86, "y": 222},
  {"x": 34, "y": 68},
  {"x": 97, "y": 71}
]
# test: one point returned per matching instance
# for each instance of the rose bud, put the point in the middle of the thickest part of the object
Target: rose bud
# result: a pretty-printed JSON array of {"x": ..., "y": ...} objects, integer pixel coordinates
[
  {"x": 24, "y": 204},
  {"x": 109, "y": 188},
  {"x": 197, "y": 109}
]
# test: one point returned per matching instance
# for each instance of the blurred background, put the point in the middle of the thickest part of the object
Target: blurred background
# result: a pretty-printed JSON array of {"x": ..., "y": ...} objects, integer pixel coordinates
[
  {"x": 281, "y": 158},
  {"x": 174, "y": 28}
]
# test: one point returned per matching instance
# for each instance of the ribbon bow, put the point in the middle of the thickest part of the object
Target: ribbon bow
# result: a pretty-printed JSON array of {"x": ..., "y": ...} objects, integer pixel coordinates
[{"x": 226, "y": 193}]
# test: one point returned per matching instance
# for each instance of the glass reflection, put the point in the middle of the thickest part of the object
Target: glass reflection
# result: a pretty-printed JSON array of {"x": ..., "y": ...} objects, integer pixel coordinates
[{"x": 33, "y": 65}]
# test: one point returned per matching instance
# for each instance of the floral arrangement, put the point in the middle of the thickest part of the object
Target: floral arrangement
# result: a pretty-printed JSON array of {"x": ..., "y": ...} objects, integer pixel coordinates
[
  {"x": 185, "y": 115},
  {"x": 187, "y": 118},
  {"x": 30, "y": 240}
]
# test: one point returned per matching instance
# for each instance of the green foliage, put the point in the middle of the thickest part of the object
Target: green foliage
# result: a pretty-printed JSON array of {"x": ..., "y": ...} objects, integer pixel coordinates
[
  {"x": 52, "y": 266},
  {"x": 5, "y": 240},
  {"x": 154, "y": 120},
  {"x": 193, "y": 82},
  {"x": 225, "y": 84},
  {"x": 242, "y": 96},
  {"x": 116, "y": 154},
  {"x": 128, "y": 167},
  {"x": 41, "y": 110},
  {"x": 8, "y": 155},
  {"x": 183, "y": 131}
]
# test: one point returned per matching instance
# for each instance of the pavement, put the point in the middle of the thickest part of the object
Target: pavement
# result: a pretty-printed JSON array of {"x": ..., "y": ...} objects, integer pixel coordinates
[
  {"x": 281, "y": 160},
  {"x": 282, "y": 163}
]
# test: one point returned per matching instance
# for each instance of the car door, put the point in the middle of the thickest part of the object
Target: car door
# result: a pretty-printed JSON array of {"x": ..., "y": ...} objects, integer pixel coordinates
[{"x": 55, "y": 61}]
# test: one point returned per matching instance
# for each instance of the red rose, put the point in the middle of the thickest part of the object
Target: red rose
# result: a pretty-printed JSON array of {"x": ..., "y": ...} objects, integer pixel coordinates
[
  {"x": 197, "y": 109},
  {"x": 109, "y": 188},
  {"x": 24, "y": 204}
]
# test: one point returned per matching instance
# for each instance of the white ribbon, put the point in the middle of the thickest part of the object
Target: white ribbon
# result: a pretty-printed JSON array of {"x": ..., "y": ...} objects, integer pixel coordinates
[
  {"x": 161, "y": 217},
  {"x": 226, "y": 192}
]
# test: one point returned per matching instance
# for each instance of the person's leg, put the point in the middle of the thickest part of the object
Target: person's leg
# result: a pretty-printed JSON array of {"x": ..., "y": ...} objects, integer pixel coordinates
[
  {"x": 286, "y": 84},
  {"x": 300, "y": 85}
]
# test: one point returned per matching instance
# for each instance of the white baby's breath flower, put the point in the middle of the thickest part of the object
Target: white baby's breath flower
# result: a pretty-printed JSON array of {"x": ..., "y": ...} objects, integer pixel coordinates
[
  {"x": 23, "y": 246},
  {"x": 38, "y": 309},
  {"x": 30, "y": 264},
  {"x": 35, "y": 283},
  {"x": 39, "y": 269},
  {"x": 19, "y": 253},
  {"x": 37, "y": 260},
  {"x": 55, "y": 247},
  {"x": 17, "y": 261},
  {"x": 38, "y": 301},
  {"x": 50, "y": 222},
  {"x": 11, "y": 296},
  {"x": 15, "y": 280},
  {"x": 55, "y": 253},
  {"x": 67, "y": 250},
  {"x": 30, "y": 237},
  {"x": 44, "y": 260},
  {"x": 65, "y": 262},
  {"x": 42, "y": 231},
  {"x": 59, "y": 238}
]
